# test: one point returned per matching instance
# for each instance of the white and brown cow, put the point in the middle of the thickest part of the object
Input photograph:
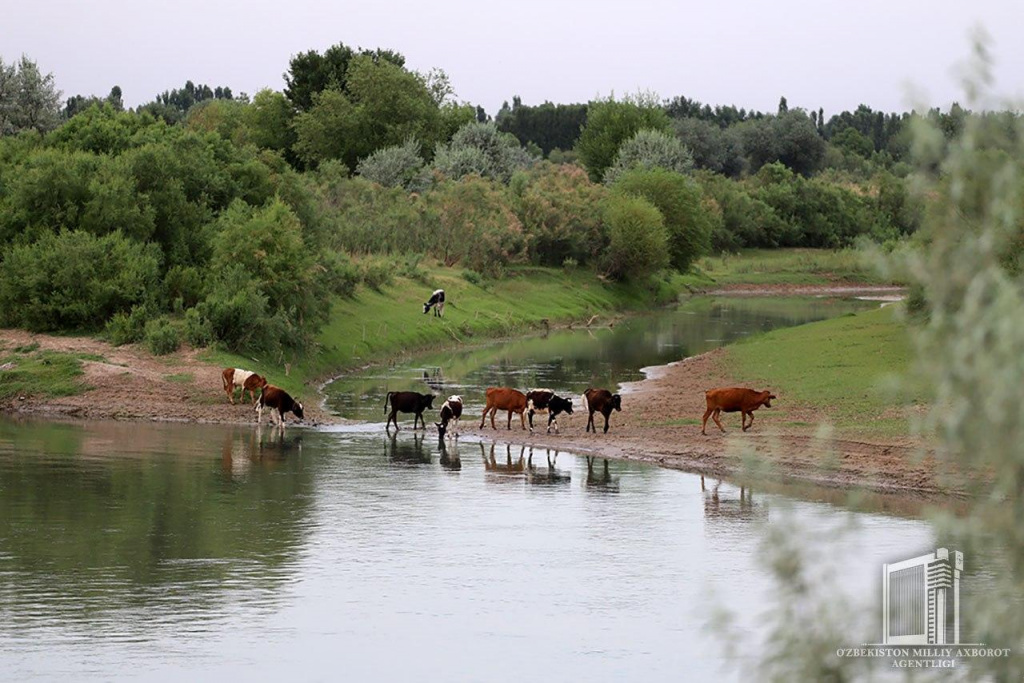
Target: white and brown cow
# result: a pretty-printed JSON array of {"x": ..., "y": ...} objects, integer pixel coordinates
[{"x": 249, "y": 381}]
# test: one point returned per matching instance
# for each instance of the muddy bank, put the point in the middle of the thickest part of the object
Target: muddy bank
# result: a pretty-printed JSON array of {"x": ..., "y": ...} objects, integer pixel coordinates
[
  {"x": 129, "y": 383},
  {"x": 844, "y": 289},
  {"x": 660, "y": 424}
]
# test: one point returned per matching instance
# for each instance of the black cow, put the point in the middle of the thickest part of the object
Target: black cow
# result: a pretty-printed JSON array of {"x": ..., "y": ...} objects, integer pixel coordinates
[
  {"x": 407, "y": 402},
  {"x": 436, "y": 300},
  {"x": 278, "y": 399},
  {"x": 600, "y": 401},
  {"x": 545, "y": 401},
  {"x": 451, "y": 411}
]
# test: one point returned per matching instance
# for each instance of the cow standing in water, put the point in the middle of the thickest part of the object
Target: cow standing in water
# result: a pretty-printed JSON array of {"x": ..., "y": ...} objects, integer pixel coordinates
[
  {"x": 451, "y": 411},
  {"x": 407, "y": 402},
  {"x": 280, "y": 401},
  {"x": 436, "y": 301}
]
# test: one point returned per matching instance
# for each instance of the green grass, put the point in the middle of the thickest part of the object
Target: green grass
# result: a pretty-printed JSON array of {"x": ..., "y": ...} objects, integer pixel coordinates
[
  {"x": 783, "y": 266},
  {"x": 854, "y": 367},
  {"x": 41, "y": 374},
  {"x": 376, "y": 326},
  {"x": 181, "y": 377}
]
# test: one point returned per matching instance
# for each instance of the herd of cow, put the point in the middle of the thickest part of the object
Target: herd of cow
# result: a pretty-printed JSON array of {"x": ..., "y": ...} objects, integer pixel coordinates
[{"x": 512, "y": 401}]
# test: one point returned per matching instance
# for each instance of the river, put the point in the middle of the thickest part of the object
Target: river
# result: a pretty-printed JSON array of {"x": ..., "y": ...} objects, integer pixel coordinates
[{"x": 162, "y": 552}]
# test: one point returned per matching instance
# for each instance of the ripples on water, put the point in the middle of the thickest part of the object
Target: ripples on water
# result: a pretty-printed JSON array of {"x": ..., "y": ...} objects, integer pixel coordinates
[{"x": 158, "y": 552}]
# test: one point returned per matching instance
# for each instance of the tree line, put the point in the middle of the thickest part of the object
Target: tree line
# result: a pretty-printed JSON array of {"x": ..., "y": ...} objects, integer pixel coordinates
[{"x": 193, "y": 215}]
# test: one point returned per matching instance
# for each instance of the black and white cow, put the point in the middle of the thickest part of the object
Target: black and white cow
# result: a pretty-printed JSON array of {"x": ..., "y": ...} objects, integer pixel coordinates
[
  {"x": 436, "y": 301},
  {"x": 545, "y": 401},
  {"x": 451, "y": 411},
  {"x": 407, "y": 402}
]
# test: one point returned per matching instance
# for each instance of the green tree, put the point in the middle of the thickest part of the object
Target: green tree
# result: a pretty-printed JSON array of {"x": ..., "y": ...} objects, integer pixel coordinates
[
  {"x": 482, "y": 149},
  {"x": 310, "y": 73},
  {"x": 650, "y": 149},
  {"x": 637, "y": 239},
  {"x": 29, "y": 100},
  {"x": 713, "y": 148},
  {"x": 611, "y": 122},
  {"x": 688, "y": 219},
  {"x": 396, "y": 166}
]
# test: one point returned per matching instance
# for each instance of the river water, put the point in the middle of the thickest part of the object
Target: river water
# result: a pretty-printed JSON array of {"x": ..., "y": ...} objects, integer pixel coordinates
[{"x": 163, "y": 552}]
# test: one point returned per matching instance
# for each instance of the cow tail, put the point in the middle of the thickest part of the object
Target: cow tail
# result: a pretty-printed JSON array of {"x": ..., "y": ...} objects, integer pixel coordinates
[
  {"x": 586, "y": 404},
  {"x": 386, "y": 400},
  {"x": 263, "y": 391}
]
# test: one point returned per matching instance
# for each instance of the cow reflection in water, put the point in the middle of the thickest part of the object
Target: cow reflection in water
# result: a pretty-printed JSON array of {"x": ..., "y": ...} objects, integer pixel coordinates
[
  {"x": 508, "y": 467},
  {"x": 450, "y": 459},
  {"x": 244, "y": 447},
  {"x": 546, "y": 476},
  {"x": 602, "y": 481},
  {"x": 722, "y": 507},
  {"x": 406, "y": 451}
]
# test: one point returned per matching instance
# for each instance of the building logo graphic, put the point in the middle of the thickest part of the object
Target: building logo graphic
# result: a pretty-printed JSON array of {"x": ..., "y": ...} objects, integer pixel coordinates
[{"x": 921, "y": 599}]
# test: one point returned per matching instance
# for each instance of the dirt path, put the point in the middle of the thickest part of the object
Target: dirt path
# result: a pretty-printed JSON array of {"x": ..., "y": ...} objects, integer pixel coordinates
[{"x": 131, "y": 384}]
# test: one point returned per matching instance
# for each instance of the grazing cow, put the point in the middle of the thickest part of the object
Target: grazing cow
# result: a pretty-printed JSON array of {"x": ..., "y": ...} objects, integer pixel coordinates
[
  {"x": 735, "y": 400},
  {"x": 436, "y": 301},
  {"x": 600, "y": 401},
  {"x": 407, "y": 402},
  {"x": 503, "y": 398},
  {"x": 451, "y": 411},
  {"x": 249, "y": 381},
  {"x": 278, "y": 399},
  {"x": 545, "y": 401}
]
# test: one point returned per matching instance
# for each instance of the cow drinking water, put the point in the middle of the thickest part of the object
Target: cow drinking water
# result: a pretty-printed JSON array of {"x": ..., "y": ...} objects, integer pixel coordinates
[
  {"x": 436, "y": 301},
  {"x": 600, "y": 401},
  {"x": 545, "y": 401},
  {"x": 451, "y": 411},
  {"x": 407, "y": 402},
  {"x": 237, "y": 377},
  {"x": 278, "y": 400},
  {"x": 734, "y": 400}
]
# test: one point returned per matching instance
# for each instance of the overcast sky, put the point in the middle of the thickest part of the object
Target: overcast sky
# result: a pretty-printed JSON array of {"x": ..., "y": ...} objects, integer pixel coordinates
[{"x": 744, "y": 52}]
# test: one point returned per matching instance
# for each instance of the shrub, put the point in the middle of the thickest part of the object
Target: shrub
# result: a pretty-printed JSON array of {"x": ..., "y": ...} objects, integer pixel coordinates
[
  {"x": 638, "y": 240},
  {"x": 377, "y": 273},
  {"x": 650, "y": 149},
  {"x": 481, "y": 149},
  {"x": 681, "y": 203},
  {"x": 396, "y": 166},
  {"x": 75, "y": 280},
  {"x": 198, "y": 330},
  {"x": 162, "y": 337},
  {"x": 127, "y": 328}
]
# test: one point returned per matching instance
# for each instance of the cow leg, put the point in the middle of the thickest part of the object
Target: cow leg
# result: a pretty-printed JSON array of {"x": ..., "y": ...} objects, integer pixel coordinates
[
  {"x": 393, "y": 417},
  {"x": 416, "y": 418},
  {"x": 509, "y": 425},
  {"x": 704, "y": 424},
  {"x": 718, "y": 421},
  {"x": 605, "y": 431},
  {"x": 590, "y": 422},
  {"x": 530, "y": 415},
  {"x": 522, "y": 419},
  {"x": 751, "y": 423},
  {"x": 230, "y": 391}
]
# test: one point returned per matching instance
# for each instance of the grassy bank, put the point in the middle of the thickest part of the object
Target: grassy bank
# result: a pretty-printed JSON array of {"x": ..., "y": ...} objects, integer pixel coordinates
[
  {"x": 853, "y": 368},
  {"x": 783, "y": 267},
  {"x": 375, "y": 326},
  {"x": 28, "y": 371}
]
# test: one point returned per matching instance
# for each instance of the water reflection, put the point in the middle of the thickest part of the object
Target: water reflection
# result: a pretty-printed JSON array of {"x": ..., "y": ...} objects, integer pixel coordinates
[
  {"x": 507, "y": 466},
  {"x": 723, "y": 506},
  {"x": 600, "y": 481},
  {"x": 549, "y": 474},
  {"x": 450, "y": 459},
  {"x": 406, "y": 451}
]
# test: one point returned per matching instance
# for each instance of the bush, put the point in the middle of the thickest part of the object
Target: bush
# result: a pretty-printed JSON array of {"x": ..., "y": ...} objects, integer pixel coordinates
[
  {"x": 162, "y": 337},
  {"x": 681, "y": 203},
  {"x": 198, "y": 330},
  {"x": 377, "y": 273},
  {"x": 75, "y": 280},
  {"x": 397, "y": 166},
  {"x": 638, "y": 240},
  {"x": 481, "y": 149},
  {"x": 650, "y": 149},
  {"x": 340, "y": 275},
  {"x": 127, "y": 328}
]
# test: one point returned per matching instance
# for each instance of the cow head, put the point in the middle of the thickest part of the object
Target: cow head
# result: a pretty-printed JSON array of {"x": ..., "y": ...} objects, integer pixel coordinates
[
  {"x": 441, "y": 429},
  {"x": 617, "y": 402},
  {"x": 564, "y": 403},
  {"x": 428, "y": 401},
  {"x": 297, "y": 410},
  {"x": 426, "y": 309},
  {"x": 766, "y": 398}
]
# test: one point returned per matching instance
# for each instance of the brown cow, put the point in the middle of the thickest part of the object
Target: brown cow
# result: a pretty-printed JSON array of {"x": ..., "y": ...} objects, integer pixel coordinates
[
  {"x": 280, "y": 401},
  {"x": 249, "y": 381},
  {"x": 734, "y": 400},
  {"x": 503, "y": 398},
  {"x": 600, "y": 401}
]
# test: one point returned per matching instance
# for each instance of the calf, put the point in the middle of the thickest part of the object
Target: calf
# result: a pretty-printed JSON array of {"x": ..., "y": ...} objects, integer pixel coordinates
[
  {"x": 545, "y": 401},
  {"x": 249, "y": 381},
  {"x": 407, "y": 402},
  {"x": 600, "y": 401},
  {"x": 436, "y": 301},
  {"x": 451, "y": 411},
  {"x": 734, "y": 400},
  {"x": 279, "y": 400},
  {"x": 503, "y": 398}
]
